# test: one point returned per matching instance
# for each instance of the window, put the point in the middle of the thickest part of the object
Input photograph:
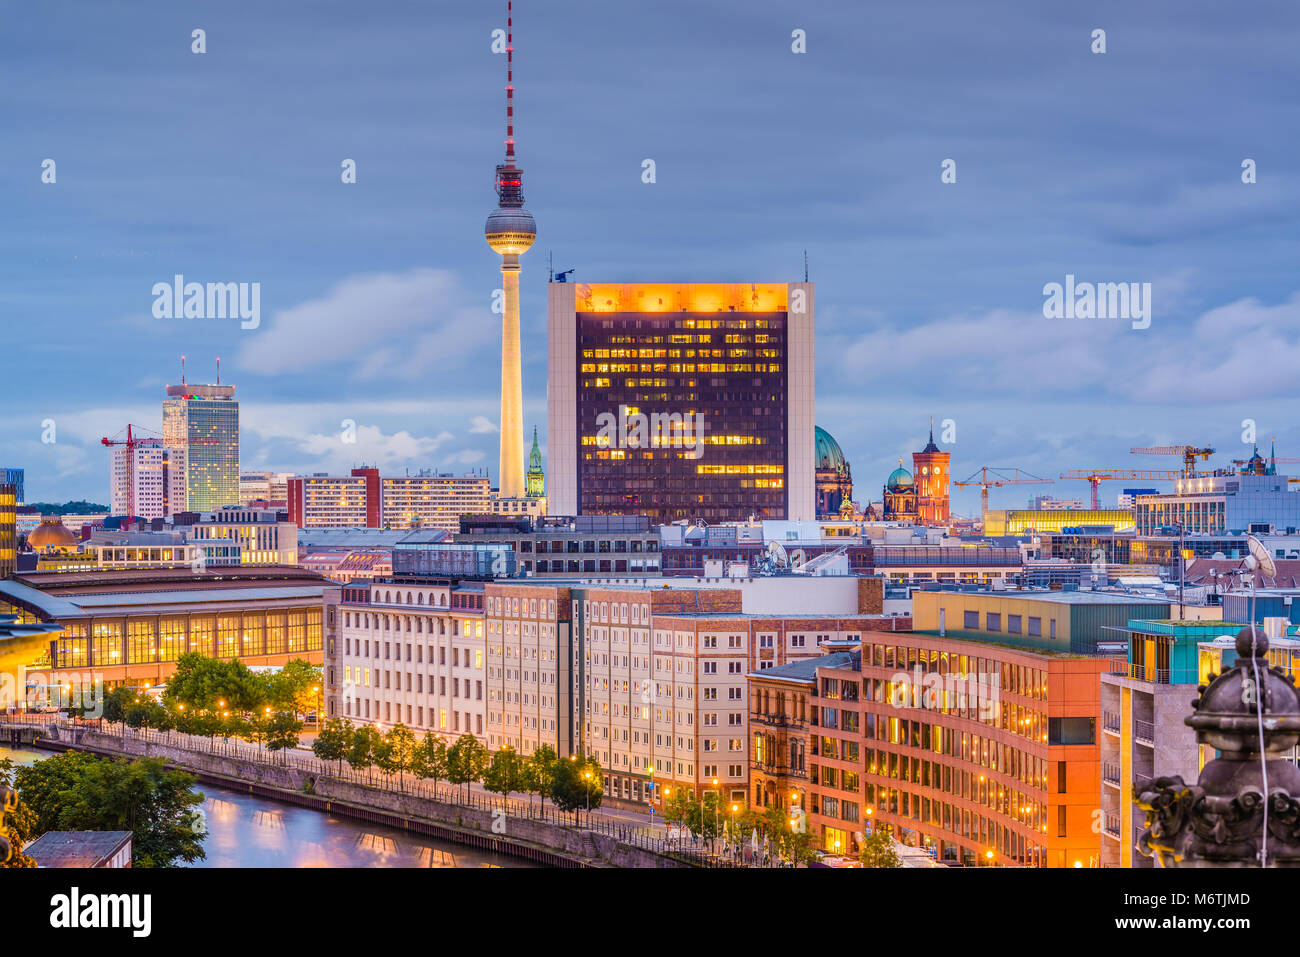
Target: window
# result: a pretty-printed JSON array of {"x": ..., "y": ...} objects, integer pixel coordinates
[
  {"x": 993, "y": 621},
  {"x": 971, "y": 620},
  {"x": 1013, "y": 624},
  {"x": 1035, "y": 626},
  {"x": 1071, "y": 730}
]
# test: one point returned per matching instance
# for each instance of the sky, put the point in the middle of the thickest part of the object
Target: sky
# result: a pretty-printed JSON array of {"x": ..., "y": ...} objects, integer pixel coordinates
[{"x": 376, "y": 296}]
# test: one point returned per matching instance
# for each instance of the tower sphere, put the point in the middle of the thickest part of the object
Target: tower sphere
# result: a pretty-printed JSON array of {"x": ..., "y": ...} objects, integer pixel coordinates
[{"x": 510, "y": 231}]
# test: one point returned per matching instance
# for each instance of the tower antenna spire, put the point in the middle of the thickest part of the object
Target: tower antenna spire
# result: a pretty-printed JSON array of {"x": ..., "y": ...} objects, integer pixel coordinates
[
  {"x": 182, "y": 370},
  {"x": 510, "y": 83}
]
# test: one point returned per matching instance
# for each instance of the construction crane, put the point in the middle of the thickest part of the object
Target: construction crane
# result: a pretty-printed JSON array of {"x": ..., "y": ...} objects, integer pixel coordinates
[
  {"x": 1000, "y": 477},
  {"x": 1094, "y": 477},
  {"x": 131, "y": 442},
  {"x": 1190, "y": 454}
]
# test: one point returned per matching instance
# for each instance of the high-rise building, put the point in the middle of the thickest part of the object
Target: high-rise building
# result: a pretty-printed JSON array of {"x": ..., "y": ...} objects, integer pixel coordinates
[
  {"x": 681, "y": 401},
  {"x": 203, "y": 421},
  {"x": 434, "y": 501},
  {"x": 147, "y": 479},
  {"x": 335, "y": 501},
  {"x": 510, "y": 231},
  {"x": 8, "y": 531},
  {"x": 14, "y": 477},
  {"x": 364, "y": 499}
]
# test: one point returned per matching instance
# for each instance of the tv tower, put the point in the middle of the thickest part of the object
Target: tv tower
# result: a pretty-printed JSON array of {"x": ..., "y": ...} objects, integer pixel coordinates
[{"x": 510, "y": 231}]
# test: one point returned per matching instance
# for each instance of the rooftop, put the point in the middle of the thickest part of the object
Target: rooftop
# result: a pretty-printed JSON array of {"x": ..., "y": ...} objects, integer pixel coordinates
[{"x": 76, "y": 848}]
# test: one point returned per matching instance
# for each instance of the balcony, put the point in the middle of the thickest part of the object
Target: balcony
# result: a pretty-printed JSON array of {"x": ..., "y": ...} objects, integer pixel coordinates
[
  {"x": 1145, "y": 733},
  {"x": 778, "y": 770},
  {"x": 1110, "y": 774},
  {"x": 776, "y": 721},
  {"x": 1111, "y": 826},
  {"x": 1110, "y": 722}
]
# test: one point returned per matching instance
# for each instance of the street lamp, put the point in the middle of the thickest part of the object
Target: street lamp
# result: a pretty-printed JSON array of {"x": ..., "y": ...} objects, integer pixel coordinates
[{"x": 587, "y": 775}]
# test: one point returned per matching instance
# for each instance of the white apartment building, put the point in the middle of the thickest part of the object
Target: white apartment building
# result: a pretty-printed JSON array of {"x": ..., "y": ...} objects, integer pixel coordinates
[
  {"x": 410, "y": 653},
  {"x": 434, "y": 501},
  {"x": 156, "y": 474}
]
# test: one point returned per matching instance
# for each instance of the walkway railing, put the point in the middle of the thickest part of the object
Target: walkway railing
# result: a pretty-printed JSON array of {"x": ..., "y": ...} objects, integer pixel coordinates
[{"x": 698, "y": 852}]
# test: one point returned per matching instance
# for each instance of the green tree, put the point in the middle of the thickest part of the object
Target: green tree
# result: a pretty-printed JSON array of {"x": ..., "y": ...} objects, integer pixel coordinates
[
  {"x": 282, "y": 731},
  {"x": 333, "y": 741},
  {"x": 878, "y": 850},
  {"x": 361, "y": 750},
  {"x": 19, "y": 822},
  {"x": 466, "y": 761},
  {"x": 215, "y": 685},
  {"x": 402, "y": 746},
  {"x": 578, "y": 785},
  {"x": 75, "y": 791},
  {"x": 539, "y": 773},
  {"x": 429, "y": 762},
  {"x": 295, "y": 687},
  {"x": 504, "y": 773}
]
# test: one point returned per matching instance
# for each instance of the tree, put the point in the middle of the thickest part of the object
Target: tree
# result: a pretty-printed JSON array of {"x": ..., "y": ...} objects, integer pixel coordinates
[
  {"x": 578, "y": 784},
  {"x": 19, "y": 822},
  {"x": 401, "y": 745},
  {"x": 466, "y": 760},
  {"x": 878, "y": 850},
  {"x": 214, "y": 684},
  {"x": 429, "y": 762},
  {"x": 539, "y": 773},
  {"x": 295, "y": 687},
  {"x": 75, "y": 791},
  {"x": 504, "y": 773},
  {"x": 282, "y": 731},
  {"x": 361, "y": 749},
  {"x": 333, "y": 741}
]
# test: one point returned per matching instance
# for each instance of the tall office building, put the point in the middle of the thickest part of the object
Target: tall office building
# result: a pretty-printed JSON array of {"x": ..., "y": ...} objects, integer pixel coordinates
[
  {"x": 203, "y": 421},
  {"x": 510, "y": 231},
  {"x": 146, "y": 480},
  {"x": 681, "y": 401},
  {"x": 8, "y": 530},
  {"x": 14, "y": 477}
]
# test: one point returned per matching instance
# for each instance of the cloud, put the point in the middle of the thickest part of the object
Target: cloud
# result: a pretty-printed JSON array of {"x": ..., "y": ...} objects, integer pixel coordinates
[
  {"x": 481, "y": 425},
  {"x": 381, "y": 324}
]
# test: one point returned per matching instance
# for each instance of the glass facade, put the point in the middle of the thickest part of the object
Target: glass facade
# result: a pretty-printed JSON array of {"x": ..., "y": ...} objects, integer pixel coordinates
[
  {"x": 722, "y": 374},
  {"x": 208, "y": 428}
]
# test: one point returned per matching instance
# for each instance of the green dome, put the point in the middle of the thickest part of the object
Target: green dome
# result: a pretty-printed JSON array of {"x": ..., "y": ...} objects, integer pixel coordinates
[
  {"x": 899, "y": 478},
  {"x": 828, "y": 454}
]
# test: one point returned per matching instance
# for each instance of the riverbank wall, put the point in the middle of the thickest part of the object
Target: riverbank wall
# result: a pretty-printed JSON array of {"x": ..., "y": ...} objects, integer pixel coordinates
[{"x": 542, "y": 842}]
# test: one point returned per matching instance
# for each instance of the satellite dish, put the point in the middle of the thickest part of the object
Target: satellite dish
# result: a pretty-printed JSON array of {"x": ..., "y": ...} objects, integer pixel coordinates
[
  {"x": 1263, "y": 560},
  {"x": 776, "y": 551}
]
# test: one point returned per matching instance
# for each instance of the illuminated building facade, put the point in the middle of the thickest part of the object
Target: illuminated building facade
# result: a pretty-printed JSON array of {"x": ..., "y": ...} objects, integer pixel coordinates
[
  {"x": 335, "y": 501},
  {"x": 434, "y": 501},
  {"x": 8, "y": 530},
  {"x": 157, "y": 474},
  {"x": 900, "y": 498},
  {"x": 834, "y": 478},
  {"x": 202, "y": 422},
  {"x": 1017, "y": 521},
  {"x": 535, "y": 479},
  {"x": 1215, "y": 504},
  {"x": 263, "y": 537},
  {"x": 681, "y": 401},
  {"x": 984, "y": 754},
  {"x": 930, "y": 472},
  {"x": 410, "y": 651},
  {"x": 131, "y": 625}
]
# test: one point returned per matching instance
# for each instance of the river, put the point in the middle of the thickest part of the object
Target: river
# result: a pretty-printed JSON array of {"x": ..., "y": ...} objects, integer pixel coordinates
[{"x": 248, "y": 831}]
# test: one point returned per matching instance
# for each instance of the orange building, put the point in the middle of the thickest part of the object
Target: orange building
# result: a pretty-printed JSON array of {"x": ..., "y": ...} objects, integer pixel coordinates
[
  {"x": 930, "y": 472},
  {"x": 982, "y": 753}
]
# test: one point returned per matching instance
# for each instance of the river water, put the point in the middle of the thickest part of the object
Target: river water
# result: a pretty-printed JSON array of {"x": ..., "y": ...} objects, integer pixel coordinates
[{"x": 248, "y": 831}]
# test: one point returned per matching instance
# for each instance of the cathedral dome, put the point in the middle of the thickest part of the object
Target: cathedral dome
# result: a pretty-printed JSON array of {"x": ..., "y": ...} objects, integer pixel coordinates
[
  {"x": 51, "y": 533},
  {"x": 899, "y": 478},
  {"x": 828, "y": 452}
]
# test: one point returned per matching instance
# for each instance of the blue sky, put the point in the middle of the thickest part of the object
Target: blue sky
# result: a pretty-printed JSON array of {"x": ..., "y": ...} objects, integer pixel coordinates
[{"x": 376, "y": 297}]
